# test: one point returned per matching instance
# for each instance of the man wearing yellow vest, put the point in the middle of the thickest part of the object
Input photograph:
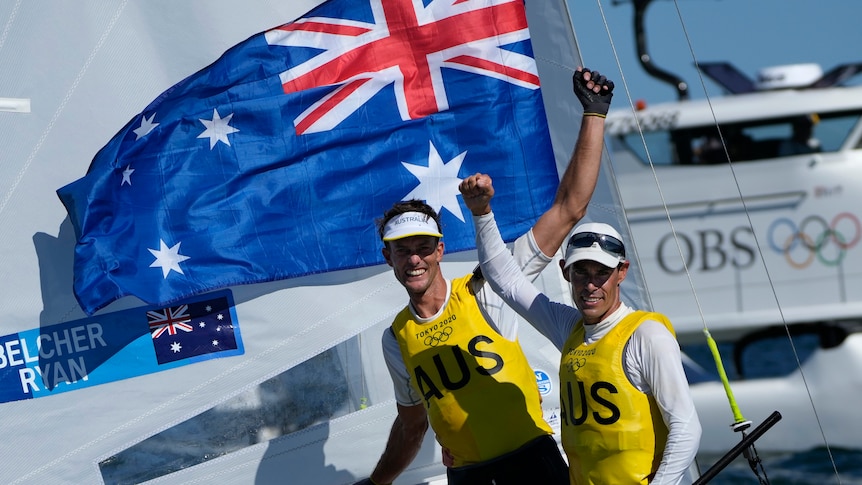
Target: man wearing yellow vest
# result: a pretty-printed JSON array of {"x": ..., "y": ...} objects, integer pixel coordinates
[
  {"x": 453, "y": 351},
  {"x": 627, "y": 413}
]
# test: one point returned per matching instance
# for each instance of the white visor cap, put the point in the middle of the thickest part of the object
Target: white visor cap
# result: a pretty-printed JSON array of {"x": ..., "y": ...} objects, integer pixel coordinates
[
  {"x": 597, "y": 250},
  {"x": 410, "y": 224}
]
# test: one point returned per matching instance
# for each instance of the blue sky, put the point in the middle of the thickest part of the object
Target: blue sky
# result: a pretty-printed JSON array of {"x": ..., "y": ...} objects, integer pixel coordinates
[{"x": 751, "y": 34}]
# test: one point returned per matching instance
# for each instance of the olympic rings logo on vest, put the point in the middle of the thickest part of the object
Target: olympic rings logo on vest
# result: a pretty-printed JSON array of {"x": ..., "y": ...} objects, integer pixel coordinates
[
  {"x": 815, "y": 238},
  {"x": 439, "y": 337},
  {"x": 575, "y": 364}
]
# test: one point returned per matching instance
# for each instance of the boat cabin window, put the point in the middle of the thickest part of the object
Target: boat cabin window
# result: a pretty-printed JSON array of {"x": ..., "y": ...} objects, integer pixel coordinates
[
  {"x": 768, "y": 352},
  {"x": 750, "y": 140}
]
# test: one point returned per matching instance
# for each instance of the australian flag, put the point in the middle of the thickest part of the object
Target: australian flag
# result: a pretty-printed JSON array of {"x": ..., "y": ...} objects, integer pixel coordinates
[
  {"x": 276, "y": 160},
  {"x": 190, "y": 330}
]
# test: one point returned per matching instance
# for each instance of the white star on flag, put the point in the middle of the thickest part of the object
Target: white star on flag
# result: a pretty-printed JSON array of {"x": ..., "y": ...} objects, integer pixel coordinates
[
  {"x": 217, "y": 129},
  {"x": 168, "y": 258},
  {"x": 127, "y": 175},
  {"x": 438, "y": 182},
  {"x": 146, "y": 127}
]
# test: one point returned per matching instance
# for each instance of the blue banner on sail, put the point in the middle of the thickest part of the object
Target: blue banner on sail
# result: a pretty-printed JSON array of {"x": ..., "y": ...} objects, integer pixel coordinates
[
  {"x": 115, "y": 346},
  {"x": 274, "y": 161}
]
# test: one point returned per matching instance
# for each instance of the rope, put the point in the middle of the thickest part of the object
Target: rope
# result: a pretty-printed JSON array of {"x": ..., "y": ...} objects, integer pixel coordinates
[
  {"x": 740, "y": 424},
  {"x": 716, "y": 356}
]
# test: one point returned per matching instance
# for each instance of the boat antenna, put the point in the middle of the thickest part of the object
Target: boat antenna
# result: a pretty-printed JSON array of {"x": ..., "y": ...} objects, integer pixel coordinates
[{"x": 644, "y": 57}]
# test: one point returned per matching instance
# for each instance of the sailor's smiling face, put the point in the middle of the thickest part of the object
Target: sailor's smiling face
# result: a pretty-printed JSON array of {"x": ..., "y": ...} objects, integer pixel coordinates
[
  {"x": 415, "y": 260},
  {"x": 595, "y": 288}
]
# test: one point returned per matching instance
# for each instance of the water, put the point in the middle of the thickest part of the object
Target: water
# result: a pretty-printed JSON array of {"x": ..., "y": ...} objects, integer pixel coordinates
[
  {"x": 808, "y": 468},
  {"x": 771, "y": 357}
]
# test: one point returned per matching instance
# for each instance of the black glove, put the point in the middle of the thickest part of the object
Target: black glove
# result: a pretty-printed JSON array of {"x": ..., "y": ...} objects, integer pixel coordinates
[{"x": 594, "y": 104}]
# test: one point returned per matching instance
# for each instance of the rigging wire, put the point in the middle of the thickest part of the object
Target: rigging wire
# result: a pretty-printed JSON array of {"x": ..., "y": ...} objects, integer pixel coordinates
[
  {"x": 9, "y": 22},
  {"x": 757, "y": 245},
  {"x": 740, "y": 423}
]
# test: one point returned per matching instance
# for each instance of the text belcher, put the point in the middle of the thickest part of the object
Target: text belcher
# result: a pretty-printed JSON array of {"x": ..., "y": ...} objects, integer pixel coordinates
[{"x": 51, "y": 348}]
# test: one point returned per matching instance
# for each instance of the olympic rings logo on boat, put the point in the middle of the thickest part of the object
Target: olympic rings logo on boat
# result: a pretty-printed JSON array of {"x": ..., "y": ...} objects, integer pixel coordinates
[
  {"x": 815, "y": 238},
  {"x": 438, "y": 338}
]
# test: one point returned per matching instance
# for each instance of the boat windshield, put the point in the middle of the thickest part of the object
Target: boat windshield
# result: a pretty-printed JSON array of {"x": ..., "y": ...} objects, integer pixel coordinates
[
  {"x": 766, "y": 353},
  {"x": 745, "y": 141}
]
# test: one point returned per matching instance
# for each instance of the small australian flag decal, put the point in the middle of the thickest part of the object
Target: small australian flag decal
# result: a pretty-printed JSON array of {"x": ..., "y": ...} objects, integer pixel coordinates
[{"x": 193, "y": 330}]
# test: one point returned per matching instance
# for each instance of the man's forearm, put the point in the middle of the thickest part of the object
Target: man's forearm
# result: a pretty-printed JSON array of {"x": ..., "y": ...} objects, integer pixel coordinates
[
  {"x": 579, "y": 179},
  {"x": 576, "y": 187},
  {"x": 499, "y": 267},
  {"x": 401, "y": 448}
]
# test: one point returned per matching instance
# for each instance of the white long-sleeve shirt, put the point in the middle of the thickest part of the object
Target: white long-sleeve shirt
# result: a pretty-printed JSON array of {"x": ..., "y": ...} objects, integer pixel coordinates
[{"x": 652, "y": 359}]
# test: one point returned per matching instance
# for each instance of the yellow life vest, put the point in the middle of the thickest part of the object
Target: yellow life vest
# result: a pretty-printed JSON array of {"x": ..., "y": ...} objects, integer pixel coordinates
[
  {"x": 478, "y": 387},
  {"x": 612, "y": 432}
]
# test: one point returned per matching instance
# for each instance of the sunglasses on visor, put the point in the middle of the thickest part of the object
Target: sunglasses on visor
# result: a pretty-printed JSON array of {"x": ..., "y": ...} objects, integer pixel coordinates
[{"x": 609, "y": 244}]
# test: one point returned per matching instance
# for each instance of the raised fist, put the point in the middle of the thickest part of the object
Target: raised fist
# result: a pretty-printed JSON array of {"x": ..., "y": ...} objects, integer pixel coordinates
[{"x": 594, "y": 91}]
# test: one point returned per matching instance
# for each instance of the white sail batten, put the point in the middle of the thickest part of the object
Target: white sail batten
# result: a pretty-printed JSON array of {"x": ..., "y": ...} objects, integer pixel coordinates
[{"x": 15, "y": 105}]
